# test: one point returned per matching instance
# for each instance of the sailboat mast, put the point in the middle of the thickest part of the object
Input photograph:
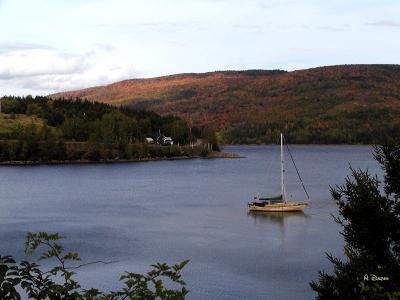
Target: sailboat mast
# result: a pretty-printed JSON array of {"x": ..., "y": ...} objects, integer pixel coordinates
[{"x": 282, "y": 172}]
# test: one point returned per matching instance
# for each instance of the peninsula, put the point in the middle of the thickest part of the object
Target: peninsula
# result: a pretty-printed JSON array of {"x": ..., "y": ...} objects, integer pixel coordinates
[{"x": 42, "y": 130}]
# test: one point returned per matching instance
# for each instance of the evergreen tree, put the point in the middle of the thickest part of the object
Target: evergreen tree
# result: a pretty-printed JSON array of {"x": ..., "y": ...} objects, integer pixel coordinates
[{"x": 371, "y": 229}]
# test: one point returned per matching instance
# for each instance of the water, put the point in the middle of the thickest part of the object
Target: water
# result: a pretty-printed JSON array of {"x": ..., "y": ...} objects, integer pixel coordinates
[{"x": 168, "y": 211}]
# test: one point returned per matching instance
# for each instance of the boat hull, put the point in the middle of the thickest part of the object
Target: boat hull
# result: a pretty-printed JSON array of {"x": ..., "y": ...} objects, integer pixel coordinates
[{"x": 282, "y": 207}]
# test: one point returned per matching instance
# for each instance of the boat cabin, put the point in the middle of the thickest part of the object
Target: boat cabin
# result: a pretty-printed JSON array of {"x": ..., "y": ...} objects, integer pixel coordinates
[{"x": 269, "y": 200}]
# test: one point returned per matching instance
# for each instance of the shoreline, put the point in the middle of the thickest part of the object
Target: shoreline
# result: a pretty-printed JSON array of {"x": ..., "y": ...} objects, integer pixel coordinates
[
  {"x": 368, "y": 145},
  {"x": 112, "y": 161}
]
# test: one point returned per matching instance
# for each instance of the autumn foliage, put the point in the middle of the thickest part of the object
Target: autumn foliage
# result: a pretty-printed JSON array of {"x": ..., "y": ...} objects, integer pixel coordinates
[{"x": 337, "y": 104}]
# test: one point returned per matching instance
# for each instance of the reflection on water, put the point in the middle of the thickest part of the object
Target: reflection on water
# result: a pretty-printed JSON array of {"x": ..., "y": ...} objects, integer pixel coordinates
[
  {"x": 280, "y": 220},
  {"x": 276, "y": 216}
]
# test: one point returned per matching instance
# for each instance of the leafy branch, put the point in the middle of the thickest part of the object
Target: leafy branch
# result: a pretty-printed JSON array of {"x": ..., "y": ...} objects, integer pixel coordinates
[{"x": 59, "y": 282}]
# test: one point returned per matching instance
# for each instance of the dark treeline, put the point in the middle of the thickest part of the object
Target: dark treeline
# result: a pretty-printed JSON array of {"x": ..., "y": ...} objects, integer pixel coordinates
[
  {"x": 44, "y": 129},
  {"x": 365, "y": 126}
]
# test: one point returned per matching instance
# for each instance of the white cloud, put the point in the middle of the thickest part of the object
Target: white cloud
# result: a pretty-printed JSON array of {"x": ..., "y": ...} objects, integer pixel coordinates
[
  {"x": 38, "y": 71},
  {"x": 48, "y": 46},
  {"x": 385, "y": 23},
  {"x": 33, "y": 62},
  {"x": 10, "y": 47}
]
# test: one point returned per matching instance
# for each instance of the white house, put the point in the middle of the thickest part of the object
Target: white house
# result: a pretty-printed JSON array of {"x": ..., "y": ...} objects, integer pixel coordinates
[
  {"x": 168, "y": 140},
  {"x": 149, "y": 140}
]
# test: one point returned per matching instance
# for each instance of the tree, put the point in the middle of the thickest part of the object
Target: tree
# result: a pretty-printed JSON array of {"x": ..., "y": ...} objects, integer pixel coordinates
[
  {"x": 371, "y": 229},
  {"x": 59, "y": 281},
  {"x": 80, "y": 129},
  {"x": 210, "y": 136},
  {"x": 33, "y": 109},
  {"x": 179, "y": 131},
  {"x": 75, "y": 129},
  {"x": 30, "y": 146}
]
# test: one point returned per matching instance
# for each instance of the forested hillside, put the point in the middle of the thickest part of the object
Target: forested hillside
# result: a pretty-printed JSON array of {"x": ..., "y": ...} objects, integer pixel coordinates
[
  {"x": 337, "y": 104},
  {"x": 43, "y": 129}
]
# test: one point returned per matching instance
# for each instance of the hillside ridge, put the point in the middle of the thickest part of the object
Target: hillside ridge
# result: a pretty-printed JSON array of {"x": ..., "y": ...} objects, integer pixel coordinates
[{"x": 340, "y": 103}]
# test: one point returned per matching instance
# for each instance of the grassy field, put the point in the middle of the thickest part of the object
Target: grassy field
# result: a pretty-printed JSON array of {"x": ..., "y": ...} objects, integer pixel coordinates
[{"x": 8, "y": 122}]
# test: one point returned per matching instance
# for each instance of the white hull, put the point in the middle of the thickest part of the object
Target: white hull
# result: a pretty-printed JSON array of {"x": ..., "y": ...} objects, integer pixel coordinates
[{"x": 282, "y": 207}]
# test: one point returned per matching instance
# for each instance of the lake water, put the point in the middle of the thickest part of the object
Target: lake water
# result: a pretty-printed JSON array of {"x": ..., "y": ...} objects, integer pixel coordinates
[{"x": 168, "y": 211}]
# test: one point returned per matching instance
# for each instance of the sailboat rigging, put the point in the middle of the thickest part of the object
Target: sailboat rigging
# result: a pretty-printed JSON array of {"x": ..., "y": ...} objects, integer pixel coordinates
[{"x": 279, "y": 203}]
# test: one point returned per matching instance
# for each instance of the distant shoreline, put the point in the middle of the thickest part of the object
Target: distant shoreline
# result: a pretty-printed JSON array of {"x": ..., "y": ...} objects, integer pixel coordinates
[
  {"x": 339, "y": 145},
  {"x": 112, "y": 161}
]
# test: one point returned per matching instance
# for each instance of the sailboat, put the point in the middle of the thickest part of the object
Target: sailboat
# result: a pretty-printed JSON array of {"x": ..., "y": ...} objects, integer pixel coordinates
[{"x": 279, "y": 203}]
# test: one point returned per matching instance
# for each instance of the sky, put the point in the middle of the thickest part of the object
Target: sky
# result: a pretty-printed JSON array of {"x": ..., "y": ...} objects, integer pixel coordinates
[{"x": 49, "y": 46}]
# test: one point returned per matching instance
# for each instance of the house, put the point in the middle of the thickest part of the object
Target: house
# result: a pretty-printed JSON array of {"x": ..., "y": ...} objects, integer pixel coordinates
[
  {"x": 164, "y": 140},
  {"x": 167, "y": 140},
  {"x": 149, "y": 140}
]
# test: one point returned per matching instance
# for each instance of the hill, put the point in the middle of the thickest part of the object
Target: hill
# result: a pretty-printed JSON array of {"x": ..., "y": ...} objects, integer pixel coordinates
[{"x": 336, "y": 104}]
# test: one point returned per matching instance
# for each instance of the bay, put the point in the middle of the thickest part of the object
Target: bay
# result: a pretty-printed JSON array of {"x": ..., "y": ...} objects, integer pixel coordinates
[{"x": 136, "y": 214}]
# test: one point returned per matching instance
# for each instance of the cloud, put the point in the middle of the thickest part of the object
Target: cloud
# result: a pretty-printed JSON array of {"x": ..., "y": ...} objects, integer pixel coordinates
[
  {"x": 40, "y": 71},
  {"x": 176, "y": 43},
  {"x": 250, "y": 28},
  {"x": 104, "y": 47},
  {"x": 385, "y": 23},
  {"x": 330, "y": 28},
  {"x": 34, "y": 62},
  {"x": 11, "y": 47}
]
